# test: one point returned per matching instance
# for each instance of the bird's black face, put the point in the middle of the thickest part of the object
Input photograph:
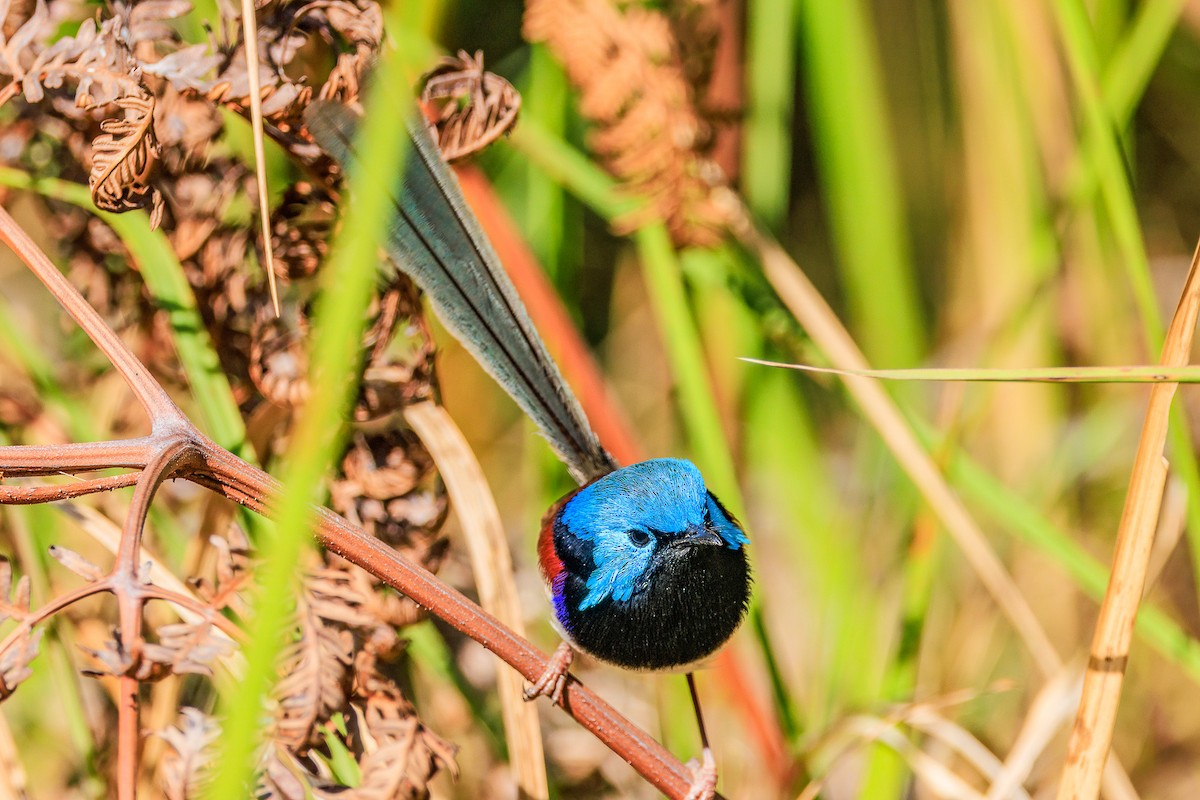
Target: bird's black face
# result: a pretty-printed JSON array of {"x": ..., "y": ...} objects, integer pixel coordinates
[
  {"x": 685, "y": 605},
  {"x": 655, "y": 574}
]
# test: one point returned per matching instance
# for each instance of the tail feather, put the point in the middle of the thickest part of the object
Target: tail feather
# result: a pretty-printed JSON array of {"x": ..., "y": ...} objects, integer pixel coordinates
[{"x": 437, "y": 241}]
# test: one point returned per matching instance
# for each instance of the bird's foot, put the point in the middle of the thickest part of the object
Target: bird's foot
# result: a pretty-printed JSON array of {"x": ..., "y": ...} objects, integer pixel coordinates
[
  {"x": 704, "y": 777},
  {"x": 554, "y": 679}
]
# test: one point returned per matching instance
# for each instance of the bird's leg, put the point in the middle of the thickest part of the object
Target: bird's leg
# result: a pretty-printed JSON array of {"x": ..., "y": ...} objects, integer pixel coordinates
[
  {"x": 554, "y": 678},
  {"x": 704, "y": 773}
]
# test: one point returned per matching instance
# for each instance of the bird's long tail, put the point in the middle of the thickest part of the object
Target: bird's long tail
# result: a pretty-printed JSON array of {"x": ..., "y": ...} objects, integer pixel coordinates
[{"x": 437, "y": 241}]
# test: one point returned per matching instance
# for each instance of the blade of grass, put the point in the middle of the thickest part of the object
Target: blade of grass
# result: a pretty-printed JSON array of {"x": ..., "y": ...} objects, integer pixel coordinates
[
  {"x": 848, "y": 113},
  {"x": 1128, "y": 71},
  {"x": 1118, "y": 374},
  {"x": 250, "y": 38},
  {"x": 881, "y": 411},
  {"x": 766, "y": 130},
  {"x": 348, "y": 278},
  {"x": 1100, "y": 160},
  {"x": 1021, "y": 518}
]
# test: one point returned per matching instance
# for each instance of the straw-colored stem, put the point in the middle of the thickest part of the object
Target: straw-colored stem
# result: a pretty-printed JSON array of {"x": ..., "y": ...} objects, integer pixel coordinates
[{"x": 1093, "y": 731}]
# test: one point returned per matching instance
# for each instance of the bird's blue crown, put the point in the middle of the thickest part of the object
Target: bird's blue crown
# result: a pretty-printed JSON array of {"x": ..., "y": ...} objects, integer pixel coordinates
[{"x": 627, "y": 514}]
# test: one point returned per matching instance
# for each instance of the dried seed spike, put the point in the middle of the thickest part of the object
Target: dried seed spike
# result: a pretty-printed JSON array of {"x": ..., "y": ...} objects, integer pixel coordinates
[{"x": 76, "y": 563}]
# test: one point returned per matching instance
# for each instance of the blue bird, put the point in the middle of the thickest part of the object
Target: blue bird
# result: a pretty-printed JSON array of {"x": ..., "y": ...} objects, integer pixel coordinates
[{"x": 646, "y": 569}]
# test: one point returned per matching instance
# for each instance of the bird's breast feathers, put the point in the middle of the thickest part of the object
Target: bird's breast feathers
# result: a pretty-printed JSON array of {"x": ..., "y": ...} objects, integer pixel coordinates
[{"x": 645, "y": 568}]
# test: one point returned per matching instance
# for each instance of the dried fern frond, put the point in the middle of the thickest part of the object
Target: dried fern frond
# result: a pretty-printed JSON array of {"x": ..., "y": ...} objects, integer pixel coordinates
[
  {"x": 124, "y": 158},
  {"x": 14, "y": 602},
  {"x": 116, "y": 659},
  {"x": 186, "y": 647},
  {"x": 191, "y": 744},
  {"x": 634, "y": 84},
  {"x": 469, "y": 107},
  {"x": 315, "y": 682},
  {"x": 401, "y": 754},
  {"x": 15, "y": 661}
]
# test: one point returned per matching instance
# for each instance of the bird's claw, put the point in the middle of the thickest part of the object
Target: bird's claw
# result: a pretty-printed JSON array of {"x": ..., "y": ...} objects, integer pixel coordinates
[
  {"x": 554, "y": 679},
  {"x": 704, "y": 777}
]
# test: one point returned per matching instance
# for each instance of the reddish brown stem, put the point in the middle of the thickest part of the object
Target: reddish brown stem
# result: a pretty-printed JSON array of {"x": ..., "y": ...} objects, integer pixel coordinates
[
  {"x": 24, "y": 460},
  {"x": 28, "y": 495}
]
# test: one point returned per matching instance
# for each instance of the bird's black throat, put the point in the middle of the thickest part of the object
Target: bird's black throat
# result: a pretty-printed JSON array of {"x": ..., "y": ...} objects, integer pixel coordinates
[{"x": 690, "y": 602}]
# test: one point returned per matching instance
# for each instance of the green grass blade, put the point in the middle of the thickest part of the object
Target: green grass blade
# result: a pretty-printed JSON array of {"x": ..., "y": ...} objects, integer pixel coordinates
[
  {"x": 1127, "y": 73},
  {"x": 767, "y": 128},
  {"x": 348, "y": 279},
  {"x": 1131, "y": 374},
  {"x": 860, "y": 177}
]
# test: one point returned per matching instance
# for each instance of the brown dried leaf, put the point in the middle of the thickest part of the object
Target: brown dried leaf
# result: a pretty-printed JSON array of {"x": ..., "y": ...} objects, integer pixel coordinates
[
  {"x": 76, "y": 563},
  {"x": 18, "y": 606},
  {"x": 316, "y": 675},
  {"x": 232, "y": 569},
  {"x": 281, "y": 781},
  {"x": 115, "y": 660},
  {"x": 187, "y": 648},
  {"x": 182, "y": 770},
  {"x": 146, "y": 20},
  {"x": 15, "y": 49},
  {"x": 124, "y": 159},
  {"x": 187, "y": 68},
  {"x": 402, "y": 754},
  {"x": 469, "y": 107},
  {"x": 14, "y": 662}
]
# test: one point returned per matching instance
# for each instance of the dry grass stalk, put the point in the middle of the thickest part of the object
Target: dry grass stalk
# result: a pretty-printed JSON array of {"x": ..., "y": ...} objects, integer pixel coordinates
[
  {"x": 1091, "y": 737},
  {"x": 250, "y": 37}
]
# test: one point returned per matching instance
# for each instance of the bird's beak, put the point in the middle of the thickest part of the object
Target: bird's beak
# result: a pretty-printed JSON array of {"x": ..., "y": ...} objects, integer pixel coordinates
[{"x": 701, "y": 535}]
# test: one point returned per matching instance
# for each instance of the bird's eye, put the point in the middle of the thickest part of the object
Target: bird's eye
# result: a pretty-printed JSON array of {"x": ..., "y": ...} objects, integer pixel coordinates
[{"x": 639, "y": 538}]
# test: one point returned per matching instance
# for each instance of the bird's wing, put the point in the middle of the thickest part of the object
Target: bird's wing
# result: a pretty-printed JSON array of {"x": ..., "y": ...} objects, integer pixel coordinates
[{"x": 437, "y": 241}]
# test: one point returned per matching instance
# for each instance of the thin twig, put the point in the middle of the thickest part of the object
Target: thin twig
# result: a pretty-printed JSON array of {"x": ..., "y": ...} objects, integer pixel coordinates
[{"x": 28, "y": 495}]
